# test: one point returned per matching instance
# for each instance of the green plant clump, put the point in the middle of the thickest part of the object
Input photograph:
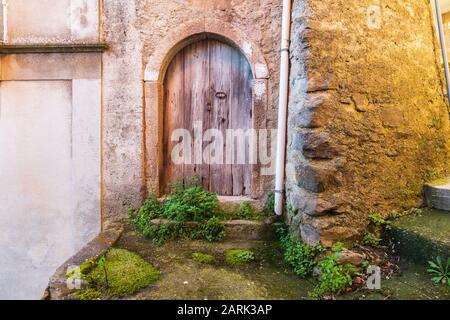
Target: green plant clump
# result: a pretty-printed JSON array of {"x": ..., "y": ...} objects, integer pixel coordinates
[
  {"x": 117, "y": 273},
  {"x": 299, "y": 255},
  {"x": 334, "y": 278},
  {"x": 213, "y": 230},
  {"x": 247, "y": 212},
  {"x": 203, "y": 258},
  {"x": 440, "y": 271},
  {"x": 192, "y": 204},
  {"x": 377, "y": 220},
  {"x": 162, "y": 233},
  {"x": 185, "y": 203},
  {"x": 371, "y": 240},
  {"x": 238, "y": 257}
]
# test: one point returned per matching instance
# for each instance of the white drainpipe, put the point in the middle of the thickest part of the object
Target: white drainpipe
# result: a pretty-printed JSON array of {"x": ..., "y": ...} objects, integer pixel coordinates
[
  {"x": 443, "y": 45},
  {"x": 5, "y": 20},
  {"x": 282, "y": 109}
]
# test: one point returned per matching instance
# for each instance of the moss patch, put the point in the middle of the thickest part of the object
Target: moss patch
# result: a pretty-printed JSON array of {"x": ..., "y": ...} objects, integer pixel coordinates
[
  {"x": 440, "y": 182},
  {"x": 203, "y": 258},
  {"x": 88, "y": 294},
  {"x": 82, "y": 270},
  {"x": 238, "y": 256},
  {"x": 118, "y": 273}
]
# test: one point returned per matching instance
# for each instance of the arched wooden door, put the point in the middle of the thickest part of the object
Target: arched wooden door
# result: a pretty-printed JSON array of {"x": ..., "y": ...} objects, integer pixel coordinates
[{"x": 209, "y": 82}]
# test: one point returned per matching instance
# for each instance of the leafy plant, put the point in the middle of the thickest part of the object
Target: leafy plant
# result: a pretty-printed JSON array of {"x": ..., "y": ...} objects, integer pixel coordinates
[
  {"x": 160, "y": 234},
  {"x": 377, "y": 220},
  {"x": 192, "y": 204},
  {"x": 151, "y": 209},
  {"x": 187, "y": 202},
  {"x": 440, "y": 271},
  {"x": 213, "y": 230},
  {"x": 247, "y": 212},
  {"x": 334, "y": 278},
  {"x": 238, "y": 256},
  {"x": 299, "y": 255},
  {"x": 371, "y": 240}
]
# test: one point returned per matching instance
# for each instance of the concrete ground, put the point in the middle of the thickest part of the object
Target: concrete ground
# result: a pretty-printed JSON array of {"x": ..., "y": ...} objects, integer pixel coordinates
[{"x": 267, "y": 278}]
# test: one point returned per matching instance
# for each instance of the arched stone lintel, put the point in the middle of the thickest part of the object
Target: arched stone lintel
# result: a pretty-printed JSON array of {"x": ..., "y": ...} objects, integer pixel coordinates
[{"x": 200, "y": 29}]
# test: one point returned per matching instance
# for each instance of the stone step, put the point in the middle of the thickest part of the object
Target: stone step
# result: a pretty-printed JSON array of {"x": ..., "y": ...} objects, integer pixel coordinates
[
  {"x": 437, "y": 194},
  {"x": 241, "y": 230},
  {"x": 422, "y": 236}
]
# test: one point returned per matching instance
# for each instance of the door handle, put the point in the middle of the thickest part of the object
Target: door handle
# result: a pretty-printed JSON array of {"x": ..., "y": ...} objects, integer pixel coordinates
[{"x": 221, "y": 95}]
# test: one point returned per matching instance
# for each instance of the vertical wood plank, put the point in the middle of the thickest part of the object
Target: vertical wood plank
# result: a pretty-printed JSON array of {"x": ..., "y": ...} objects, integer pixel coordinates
[
  {"x": 220, "y": 77},
  {"x": 241, "y": 110},
  {"x": 174, "y": 107},
  {"x": 197, "y": 97}
]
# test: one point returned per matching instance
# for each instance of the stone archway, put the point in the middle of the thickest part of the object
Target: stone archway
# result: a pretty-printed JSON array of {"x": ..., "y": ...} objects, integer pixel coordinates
[{"x": 155, "y": 71}]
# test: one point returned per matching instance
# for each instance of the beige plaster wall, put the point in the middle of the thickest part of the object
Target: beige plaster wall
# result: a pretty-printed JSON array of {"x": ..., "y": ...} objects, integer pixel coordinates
[
  {"x": 49, "y": 177},
  {"x": 50, "y": 129},
  {"x": 53, "y": 21}
]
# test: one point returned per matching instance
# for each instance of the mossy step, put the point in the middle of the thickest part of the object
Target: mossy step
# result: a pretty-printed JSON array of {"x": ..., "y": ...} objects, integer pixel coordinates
[
  {"x": 437, "y": 194},
  {"x": 241, "y": 230},
  {"x": 423, "y": 236}
]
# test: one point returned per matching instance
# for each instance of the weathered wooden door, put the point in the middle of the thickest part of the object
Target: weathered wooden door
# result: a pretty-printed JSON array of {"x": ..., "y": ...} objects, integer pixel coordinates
[{"x": 209, "y": 83}]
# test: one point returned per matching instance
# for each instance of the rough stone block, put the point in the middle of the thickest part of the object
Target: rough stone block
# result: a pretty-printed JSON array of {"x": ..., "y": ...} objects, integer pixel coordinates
[{"x": 438, "y": 195}]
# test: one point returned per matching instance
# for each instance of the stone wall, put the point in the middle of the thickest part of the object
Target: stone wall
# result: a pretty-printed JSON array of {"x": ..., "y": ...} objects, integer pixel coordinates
[
  {"x": 123, "y": 156},
  {"x": 368, "y": 122}
]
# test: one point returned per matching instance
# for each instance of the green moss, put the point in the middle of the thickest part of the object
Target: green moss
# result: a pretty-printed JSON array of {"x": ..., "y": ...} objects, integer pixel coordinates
[
  {"x": 117, "y": 273},
  {"x": 88, "y": 294},
  {"x": 238, "y": 256},
  {"x": 203, "y": 258},
  {"x": 82, "y": 270},
  {"x": 440, "y": 182}
]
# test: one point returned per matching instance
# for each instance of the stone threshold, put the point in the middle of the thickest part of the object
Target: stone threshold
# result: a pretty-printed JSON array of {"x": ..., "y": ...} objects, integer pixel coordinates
[
  {"x": 52, "y": 48},
  {"x": 421, "y": 237},
  {"x": 57, "y": 288},
  {"x": 437, "y": 194}
]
